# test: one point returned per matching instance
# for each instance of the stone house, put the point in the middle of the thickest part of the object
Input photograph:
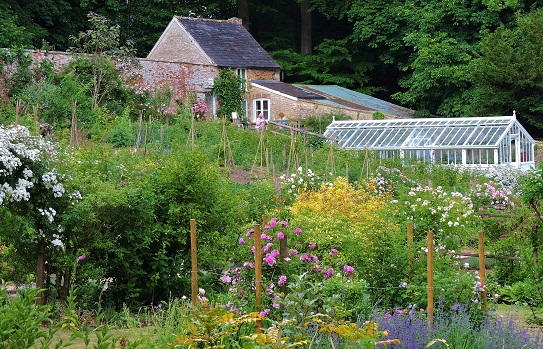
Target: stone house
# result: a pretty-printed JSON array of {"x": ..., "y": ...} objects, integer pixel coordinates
[
  {"x": 201, "y": 48},
  {"x": 204, "y": 46}
]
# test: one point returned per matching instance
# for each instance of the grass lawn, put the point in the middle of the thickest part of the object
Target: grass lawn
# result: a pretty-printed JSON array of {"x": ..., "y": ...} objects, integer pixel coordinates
[{"x": 519, "y": 314}]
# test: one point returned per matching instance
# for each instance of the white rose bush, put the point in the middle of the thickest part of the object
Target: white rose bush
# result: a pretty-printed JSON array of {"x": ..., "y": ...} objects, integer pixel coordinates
[{"x": 32, "y": 195}]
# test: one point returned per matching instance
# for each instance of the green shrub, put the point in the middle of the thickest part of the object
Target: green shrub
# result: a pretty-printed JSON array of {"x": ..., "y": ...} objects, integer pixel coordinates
[{"x": 21, "y": 320}]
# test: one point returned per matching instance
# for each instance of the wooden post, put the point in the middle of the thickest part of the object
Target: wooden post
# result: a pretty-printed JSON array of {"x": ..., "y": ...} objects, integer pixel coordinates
[
  {"x": 73, "y": 128},
  {"x": 17, "y": 111},
  {"x": 430, "y": 299},
  {"x": 482, "y": 270},
  {"x": 36, "y": 124},
  {"x": 194, "y": 261},
  {"x": 258, "y": 274}
]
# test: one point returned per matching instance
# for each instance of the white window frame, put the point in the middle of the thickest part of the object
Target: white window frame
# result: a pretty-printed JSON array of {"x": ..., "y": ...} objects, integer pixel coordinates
[
  {"x": 261, "y": 105},
  {"x": 242, "y": 73}
]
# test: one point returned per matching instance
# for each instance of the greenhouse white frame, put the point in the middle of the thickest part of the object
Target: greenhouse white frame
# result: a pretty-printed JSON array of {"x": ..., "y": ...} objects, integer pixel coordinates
[{"x": 474, "y": 141}]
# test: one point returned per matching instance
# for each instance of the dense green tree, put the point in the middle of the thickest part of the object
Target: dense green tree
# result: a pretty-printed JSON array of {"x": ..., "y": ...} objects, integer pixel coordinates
[
  {"x": 12, "y": 34},
  {"x": 429, "y": 44},
  {"x": 508, "y": 74},
  {"x": 48, "y": 23}
]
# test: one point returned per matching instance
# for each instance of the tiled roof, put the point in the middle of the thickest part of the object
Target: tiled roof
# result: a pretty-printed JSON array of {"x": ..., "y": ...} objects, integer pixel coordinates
[
  {"x": 287, "y": 89},
  {"x": 349, "y": 98},
  {"x": 228, "y": 43}
]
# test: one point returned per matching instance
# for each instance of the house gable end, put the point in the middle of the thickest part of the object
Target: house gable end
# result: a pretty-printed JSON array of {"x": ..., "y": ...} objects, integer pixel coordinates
[{"x": 177, "y": 45}]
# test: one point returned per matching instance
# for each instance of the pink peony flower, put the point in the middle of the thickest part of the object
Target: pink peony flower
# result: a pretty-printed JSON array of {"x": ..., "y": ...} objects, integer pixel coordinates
[
  {"x": 298, "y": 231},
  {"x": 267, "y": 247},
  {"x": 280, "y": 235},
  {"x": 241, "y": 241},
  {"x": 270, "y": 259},
  {"x": 282, "y": 280},
  {"x": 348, "y": 270},
  {"x": 328, "y": 273}
]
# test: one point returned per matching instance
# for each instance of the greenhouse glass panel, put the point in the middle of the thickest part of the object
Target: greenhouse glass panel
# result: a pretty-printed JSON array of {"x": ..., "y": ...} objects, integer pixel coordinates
[
  {"x": 392, "y": 138},
  {"x": 361, "y": 137},
  {"x": 370, "y": 137}
]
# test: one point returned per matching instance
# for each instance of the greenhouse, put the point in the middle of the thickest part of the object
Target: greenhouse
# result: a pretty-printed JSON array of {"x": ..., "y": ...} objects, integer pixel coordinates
[{"x": 474, "y": 141}]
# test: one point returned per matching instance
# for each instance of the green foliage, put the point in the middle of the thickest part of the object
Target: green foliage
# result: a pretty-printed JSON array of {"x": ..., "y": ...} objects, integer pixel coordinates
[
  {"x": 102, "y": 59},
  {"x": 229, "y": 92},
  {"x": 214, "y": 325},
  {"x": 335, "y": 62},
  {"x": 19, "y": 73},
  {"x": 21, "y": 321},
  {"x": 12, "y": 34},
  {"x": 54, "y": 100},
  {"x": 318, "y": 123},
  {"x": 507, "y": 73},
  {"x": 150, "y": 198},
  {"x": 378, "y": 115}
]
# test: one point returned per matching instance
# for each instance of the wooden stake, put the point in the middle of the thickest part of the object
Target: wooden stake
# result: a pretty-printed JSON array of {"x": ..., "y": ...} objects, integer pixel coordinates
[
  {"x": 430, "y": 262},
  {"x": 482, "y": 270},
  {"x": 140, "y": 129},
  {"x": 36, "y": 125},
  {"x": 17, "y": 111},
  {"x": 194, "y": 261},
  {"x": 73, "y": 129}
]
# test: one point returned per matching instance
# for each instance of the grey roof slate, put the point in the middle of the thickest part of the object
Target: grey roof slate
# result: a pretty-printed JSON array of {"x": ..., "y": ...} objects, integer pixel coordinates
[
  {"x": 287, "y": 89},
  {"x": 228, "y": 44}
]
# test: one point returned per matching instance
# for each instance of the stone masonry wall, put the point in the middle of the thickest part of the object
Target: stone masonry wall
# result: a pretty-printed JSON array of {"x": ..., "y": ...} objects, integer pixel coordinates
[{"x": 181, "y": 78}]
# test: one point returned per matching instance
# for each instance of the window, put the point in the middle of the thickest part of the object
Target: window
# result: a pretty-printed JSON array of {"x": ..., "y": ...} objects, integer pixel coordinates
[
  {"x": 242, "y": 73},
  {"x": 261, "y": 105}
]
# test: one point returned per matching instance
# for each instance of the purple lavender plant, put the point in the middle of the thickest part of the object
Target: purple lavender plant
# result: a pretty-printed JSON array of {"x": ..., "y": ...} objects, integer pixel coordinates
[{"x": 458, "y": 327}]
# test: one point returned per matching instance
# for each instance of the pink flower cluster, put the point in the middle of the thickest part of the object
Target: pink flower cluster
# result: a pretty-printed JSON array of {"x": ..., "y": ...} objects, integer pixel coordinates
[
  {"x": 199, "y": 109},
  {"x": 271, "y": 256}
]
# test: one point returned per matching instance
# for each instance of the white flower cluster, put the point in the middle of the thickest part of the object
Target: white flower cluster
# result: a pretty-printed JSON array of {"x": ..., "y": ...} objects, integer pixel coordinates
[
  {"x": 50, "y": 213},
  {"x": 51, "y": 181},
  {"x": 505, "y": 177},
  {"x": 301, "y": 180},
  {"x": 17, "y": 148}
]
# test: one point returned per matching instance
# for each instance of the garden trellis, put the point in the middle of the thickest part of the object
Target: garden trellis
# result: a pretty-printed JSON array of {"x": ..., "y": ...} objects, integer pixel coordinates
[{"x": 474, "y": 141}]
